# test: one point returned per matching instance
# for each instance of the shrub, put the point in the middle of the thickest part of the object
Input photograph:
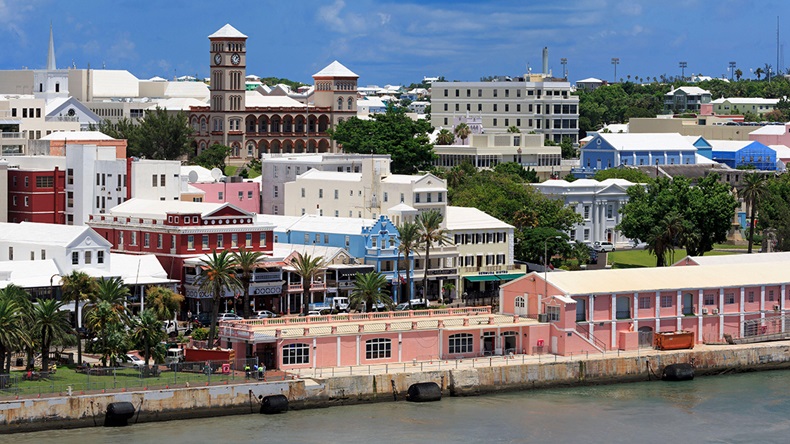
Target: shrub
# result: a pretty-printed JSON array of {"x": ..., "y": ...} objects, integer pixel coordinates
[{"x": 200, "y": 334}]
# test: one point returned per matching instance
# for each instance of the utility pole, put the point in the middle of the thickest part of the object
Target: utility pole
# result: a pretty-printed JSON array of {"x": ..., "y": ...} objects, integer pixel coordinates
[
  {"x": 564, "y": 63},
  {"x": 683, "y": 66},
  {"x": 732, "y": 69},
  {"x": 615, "y": 62}
]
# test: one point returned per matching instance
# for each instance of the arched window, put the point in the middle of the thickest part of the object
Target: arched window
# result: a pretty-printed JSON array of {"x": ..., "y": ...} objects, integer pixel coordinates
[
  {"x": 349, "y": 103},
  {"x": 296, "y": 354},
  {"x": 460, "y": 343},
  {"x": 250, "y": 149},
  {"x": 339, "y": 103},
  {"x": 378, "y": 348}
]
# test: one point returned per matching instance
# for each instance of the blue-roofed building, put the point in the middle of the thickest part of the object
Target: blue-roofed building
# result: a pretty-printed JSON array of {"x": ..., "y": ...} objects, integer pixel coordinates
[
  {"x": 743, "y": 153},
  {"x": 369, "y": 241},
  {"x": 704, "y": 147},
  {"x": 607, "y": 150}
]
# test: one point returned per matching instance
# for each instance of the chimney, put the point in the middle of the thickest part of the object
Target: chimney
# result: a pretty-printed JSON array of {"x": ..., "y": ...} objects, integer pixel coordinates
[{"x": 545, "y": 60}]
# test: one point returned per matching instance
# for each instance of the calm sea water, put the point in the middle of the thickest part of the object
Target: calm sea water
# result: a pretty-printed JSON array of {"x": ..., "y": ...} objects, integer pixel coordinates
[{"x": 746, "y": 408}]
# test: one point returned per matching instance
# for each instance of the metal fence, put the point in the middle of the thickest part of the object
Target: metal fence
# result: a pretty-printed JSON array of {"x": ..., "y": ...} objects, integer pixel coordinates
[{"x": 80, "y": 380}]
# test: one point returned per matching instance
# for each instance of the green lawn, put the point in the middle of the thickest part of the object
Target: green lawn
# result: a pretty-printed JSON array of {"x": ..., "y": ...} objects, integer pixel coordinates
[
  {"x": 127, "y": 378},
  {"x": 642, "y": 258},
  {"x": 230, "y": 170}
]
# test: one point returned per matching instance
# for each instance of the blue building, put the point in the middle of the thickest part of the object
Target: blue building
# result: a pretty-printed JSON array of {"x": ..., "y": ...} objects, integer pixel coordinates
[
  {"x": 608, "y": 150},
  {"x": 743, "y": 153},
  {"x": 369, "y": 241}
]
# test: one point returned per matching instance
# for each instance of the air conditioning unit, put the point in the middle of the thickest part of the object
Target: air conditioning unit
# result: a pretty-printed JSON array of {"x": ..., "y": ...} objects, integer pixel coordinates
[
  {"x": 543, "y": 317},
  {"x": 704, "y": 311},
  {"x": 776, "y": 308},
  {"x": 103, "y": 188},
  {"x": 715, "y": 311},
  {"x": 118, "y": 189}
]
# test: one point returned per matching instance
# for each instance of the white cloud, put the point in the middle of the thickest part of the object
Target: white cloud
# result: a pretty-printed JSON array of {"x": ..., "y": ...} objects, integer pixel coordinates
[{"x": 122, "y": 49}]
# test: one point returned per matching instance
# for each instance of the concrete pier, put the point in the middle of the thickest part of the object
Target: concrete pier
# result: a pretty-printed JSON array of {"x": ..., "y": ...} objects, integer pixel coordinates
[{"x": 356, "y": 385}]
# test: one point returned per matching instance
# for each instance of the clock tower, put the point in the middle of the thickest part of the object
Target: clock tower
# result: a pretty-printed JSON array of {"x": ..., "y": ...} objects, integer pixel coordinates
[{"x": 228, "y": 63}]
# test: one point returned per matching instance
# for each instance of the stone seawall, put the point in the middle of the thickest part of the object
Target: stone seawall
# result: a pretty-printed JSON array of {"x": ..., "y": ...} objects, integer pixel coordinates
[{"x": 181, "y": 403}]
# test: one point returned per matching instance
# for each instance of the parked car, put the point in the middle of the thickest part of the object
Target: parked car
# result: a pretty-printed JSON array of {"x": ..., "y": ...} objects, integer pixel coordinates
[
  {"x": 603, "y": 246},
  {"x": 637, "y": 244},
  {"x": 416, "y": 304},
  {"x": 263, "y": 314},
  {"x": 135, "y": 361},
  {"x": 203, "y": 319},
  {"x": 228, "y": 317}
]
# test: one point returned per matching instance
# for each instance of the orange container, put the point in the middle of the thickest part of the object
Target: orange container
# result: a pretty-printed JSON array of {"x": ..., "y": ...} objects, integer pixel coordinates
[{"x": 676, "y": 340}]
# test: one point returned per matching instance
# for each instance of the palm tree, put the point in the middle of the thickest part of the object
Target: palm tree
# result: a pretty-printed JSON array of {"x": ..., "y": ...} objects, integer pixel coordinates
[
  {"x": 25, "y": 305},
  {"x": 307, "y": 268},
  {"x": 409, "y": 243},
  {"x": 462, "y": 131},
  {"x": 447, "y": 289},
  {"x": 147, "y": 332},
  {"x": 663, "y": 236},
  {"x": 163, "y": 303},
  {"x": 513, "y": 129},
  {"x": 219, "y": 274},
  {"x": 369, "y": 288},
  {"x": 738, "y": 74},
  {"x": 758, "y": 72},
  {"x": 78, "y": 287},
  {"x": 51, "y": 323},
  {"x": 14, "y": 334},
  {"x": 247, "y": 261},
  {"x": 431, "y": 232},
  {"x": 445, "y": 137},
  {"x": 114, "y": 293},
  {"x": 753, "y": 190}
]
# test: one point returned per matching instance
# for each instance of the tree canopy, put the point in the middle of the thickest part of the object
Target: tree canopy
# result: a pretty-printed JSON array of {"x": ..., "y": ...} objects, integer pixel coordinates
[
  {"x": 633, "y": 175},
  {"x": 212, "y": 157},
  {"x": 158, "y": 135},
  {"x": 392, "y": 133},
  {"x": 668, "y": 212}
]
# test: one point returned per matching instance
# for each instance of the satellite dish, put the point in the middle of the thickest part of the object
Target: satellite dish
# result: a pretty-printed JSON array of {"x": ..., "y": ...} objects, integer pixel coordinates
[
  {"x": 193, "y": 176},
  {"x": 216, "y": 173}
]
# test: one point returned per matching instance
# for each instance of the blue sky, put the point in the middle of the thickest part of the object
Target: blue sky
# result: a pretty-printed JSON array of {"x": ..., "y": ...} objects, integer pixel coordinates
[{"x": 391, "y": 42}]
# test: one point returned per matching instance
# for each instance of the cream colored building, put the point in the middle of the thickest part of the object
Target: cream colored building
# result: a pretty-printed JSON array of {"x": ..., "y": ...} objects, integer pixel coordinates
[
  {"x": 741, "y": 105},
  {"x": 709, "y": 127},
  {"x": 24, "y": 118},
  {"x": 366, "y": 194},
  {"x": 485, "y": 251},
  {"x": 489, "y": 150}
]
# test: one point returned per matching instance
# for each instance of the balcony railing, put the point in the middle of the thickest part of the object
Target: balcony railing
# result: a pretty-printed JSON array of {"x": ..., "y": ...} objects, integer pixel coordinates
[
  {"x": 62, "y": 119},
  {"x": 11, "y": 135}
]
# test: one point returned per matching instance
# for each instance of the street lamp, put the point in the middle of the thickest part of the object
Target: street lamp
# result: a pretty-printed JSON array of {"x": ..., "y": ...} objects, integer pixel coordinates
[
  {"x": 732, "y": 69},
  {"x": 52, "y": 285},
  {"x": 546, "y": 267},
  {"x": 615, "y": 62},
  {"x": 683, "y": 66},
  {"x": 564, "y": 63}
]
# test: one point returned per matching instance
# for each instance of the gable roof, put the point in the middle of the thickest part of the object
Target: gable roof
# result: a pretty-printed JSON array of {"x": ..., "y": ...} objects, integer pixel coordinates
[
  {"x": 468, "y": 218},
  {"x": 49, "y": 234},
  {"x": 158, "y": 209},
  {"x": 335, "y": 69},
  {"x": 780, "y": 256},
  {"x": 227, "y": 31},
  {"x": 689, "y": 90},
  {"x": 645, "y": 142}
]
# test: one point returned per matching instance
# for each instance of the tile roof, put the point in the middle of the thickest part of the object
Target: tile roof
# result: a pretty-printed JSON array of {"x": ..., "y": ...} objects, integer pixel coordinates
[
  {"x": 335, "y": 69},
  {"x": 227, "y": 31}
]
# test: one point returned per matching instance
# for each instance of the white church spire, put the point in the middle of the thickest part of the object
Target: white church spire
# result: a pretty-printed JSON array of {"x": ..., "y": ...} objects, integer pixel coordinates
[{"x": 51, "y": 53}]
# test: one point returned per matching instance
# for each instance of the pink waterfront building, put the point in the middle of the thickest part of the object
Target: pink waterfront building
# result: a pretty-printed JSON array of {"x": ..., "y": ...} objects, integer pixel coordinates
[
  {"x": 242, "y": 194},
  {"x": 724, "y": 298}
]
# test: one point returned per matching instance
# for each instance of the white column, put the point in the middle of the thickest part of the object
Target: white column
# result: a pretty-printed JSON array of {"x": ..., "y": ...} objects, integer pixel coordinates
[
  {"x": 315, "y": 353},
  {"x": 782, "y": 305},
  {"x": 743, "y": 310},
  {"x": 358, "y": 338},
  {"x": 400, "y": 347},
  {"x": 658, "y": 312},
  {"x": 591, "y": 308},
  {"x": 636, "y": 307},
  {"x": 762, "y": 302},
  {"x": 338, "y": 352},
  {"x": 721, "y": 313},
  {"x": 614, "y": 321},
  {"x": 679, "y": 310}
]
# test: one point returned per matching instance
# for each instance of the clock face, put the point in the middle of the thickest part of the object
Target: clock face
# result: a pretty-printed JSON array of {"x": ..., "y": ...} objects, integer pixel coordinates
[
  {"x": 235, "y": 59},
  {"x": 217, "y": 59}
]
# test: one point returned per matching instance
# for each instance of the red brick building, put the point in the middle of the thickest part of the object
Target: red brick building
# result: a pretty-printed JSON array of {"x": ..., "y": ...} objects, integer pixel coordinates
[
  {"x": 37, "y": 195},
  {"x": 176, "y": 230}
]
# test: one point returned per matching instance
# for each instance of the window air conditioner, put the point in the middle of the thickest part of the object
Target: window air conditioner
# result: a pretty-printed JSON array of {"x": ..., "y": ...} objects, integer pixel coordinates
[
  {"x": 715, "y": 311},
  {"x": 704, "y": 311},
  {"x": 776, "y": 308}
]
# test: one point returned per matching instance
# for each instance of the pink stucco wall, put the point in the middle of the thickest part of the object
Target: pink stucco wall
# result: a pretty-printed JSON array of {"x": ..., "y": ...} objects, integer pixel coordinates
[
  {"x": 230, "y": 194},
  {"x": 765, "y": 139}
]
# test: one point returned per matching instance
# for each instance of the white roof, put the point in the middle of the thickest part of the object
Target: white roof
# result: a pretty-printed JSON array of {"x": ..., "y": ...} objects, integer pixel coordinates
[
  {"x": 745, "y": 101},
  {"x": 781, "y": 256},
  {"x": 142, "y": 269},
  {"x": 194, "y": 90},
  {"x": 254, "y": 99},
  {"x": 699, "y": 159},
  {"x": 158, "y": 209},
  {"x": 590, "y": 80},
  {"x": 314, "y": 174},
  {"x": 646, "y": 141},
  {"x": 371, "y": 101},
  {"x": 668, "y": 278},
  {"x": 616, "y": 127},
  {"x": 311, "y": 223},
  {"x": 729, "y": 145},
  {"x": 689, "y": 90},
  {"x": 204, "y": 174},
  {"x": 157, "y": 79},
  {"x": 179, "y": 103},
  {"x": 227, "y": 31},
  {"x": 582, "y": 183},
  {"x": 46, "y": 234},
  {"x": 77, "y": 135},
  {"x": 28, "y": 274},
  {"x": 401, "y": 207},
  {"x": 467, "y": 218},
  {"x": 335, "y": 69},
  {"x": 782, "y": 151},
  {"x": 770, "y": 130},
  {"x": 282, "y": 251},
  {"x": 114, "y": 83}
]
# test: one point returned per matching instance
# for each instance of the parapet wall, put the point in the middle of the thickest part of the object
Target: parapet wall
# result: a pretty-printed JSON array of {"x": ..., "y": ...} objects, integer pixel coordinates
[{"x": 181, "y": 403}]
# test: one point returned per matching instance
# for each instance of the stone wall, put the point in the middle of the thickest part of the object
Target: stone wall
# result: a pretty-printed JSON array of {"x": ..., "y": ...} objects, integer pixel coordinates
[{"x": 180, "y": 403}]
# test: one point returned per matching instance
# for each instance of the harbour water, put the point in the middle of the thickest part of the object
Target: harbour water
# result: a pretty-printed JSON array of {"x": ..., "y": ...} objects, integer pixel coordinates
[{"x": 743, "y": 408}]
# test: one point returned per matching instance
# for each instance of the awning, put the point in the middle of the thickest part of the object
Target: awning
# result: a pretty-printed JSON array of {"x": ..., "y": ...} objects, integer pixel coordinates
[{"x": 494, "y": 277}]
